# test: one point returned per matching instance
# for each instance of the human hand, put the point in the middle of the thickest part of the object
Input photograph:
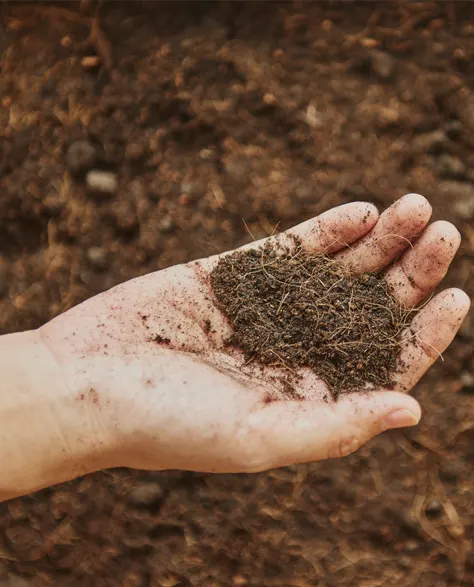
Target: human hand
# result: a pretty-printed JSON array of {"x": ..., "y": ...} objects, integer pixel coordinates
[{"x": 147, "y": 363}]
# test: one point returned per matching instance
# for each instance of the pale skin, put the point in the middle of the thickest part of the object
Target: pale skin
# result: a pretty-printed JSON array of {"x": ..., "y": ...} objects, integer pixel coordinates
[{"x": 92, "y": 389}]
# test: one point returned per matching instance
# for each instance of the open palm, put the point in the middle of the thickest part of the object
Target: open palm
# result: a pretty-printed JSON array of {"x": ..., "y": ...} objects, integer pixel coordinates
[{"x": 149, "y": 363}]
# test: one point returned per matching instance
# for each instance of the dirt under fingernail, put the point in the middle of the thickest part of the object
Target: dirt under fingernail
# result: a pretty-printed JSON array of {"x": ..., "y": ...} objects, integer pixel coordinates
[{"x": 291, "y": 309}]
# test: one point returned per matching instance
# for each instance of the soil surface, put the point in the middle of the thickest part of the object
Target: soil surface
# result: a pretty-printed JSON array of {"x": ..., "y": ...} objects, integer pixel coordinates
[
  {"x": 142, "y": 138},
  {"x": 290, "y": 309}
]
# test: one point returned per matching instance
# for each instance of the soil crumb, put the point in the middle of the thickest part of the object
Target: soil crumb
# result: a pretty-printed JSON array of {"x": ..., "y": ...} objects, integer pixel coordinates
[
  {"x": 161, "y": 339},
  {"x": 290, "y": 309}
]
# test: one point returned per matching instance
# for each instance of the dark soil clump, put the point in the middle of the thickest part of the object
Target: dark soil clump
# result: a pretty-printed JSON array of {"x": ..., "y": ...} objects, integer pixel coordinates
[
  {"x": 291, "y": 309},
  {"x": 209, "y": 113}
]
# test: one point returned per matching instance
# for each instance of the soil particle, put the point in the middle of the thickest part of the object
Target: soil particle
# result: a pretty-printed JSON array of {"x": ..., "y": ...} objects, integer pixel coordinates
[
  {"x": 382, "y": 64},
  {"x": 103, "y": 182},
  {"x": 90, "y": 62},
  {"x": 291, "y": 309},
  {"x": 97, "y": 256},
  {"x": 161, "y": 339},
  {"x": 93, "y": 395},
  {"x": 336, "y": 134},
  {"x": 166, "y": 224},
  {"x": 146, "y": 494}
]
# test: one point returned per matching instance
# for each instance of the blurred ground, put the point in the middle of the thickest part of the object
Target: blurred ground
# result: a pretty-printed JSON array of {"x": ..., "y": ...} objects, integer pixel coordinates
[{"x": 205, "y": 114}]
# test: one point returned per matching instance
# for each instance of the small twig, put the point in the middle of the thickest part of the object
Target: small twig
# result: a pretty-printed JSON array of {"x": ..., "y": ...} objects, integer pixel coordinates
[
  {"x": 248, "y": 230},
  {"x": 396, "y": 236},
  {"x": 101, "y": 43},
  {"x": 218, "y": 195},
  {"x": 282, "y": 302},
  {"x": 431, "y": 346}
]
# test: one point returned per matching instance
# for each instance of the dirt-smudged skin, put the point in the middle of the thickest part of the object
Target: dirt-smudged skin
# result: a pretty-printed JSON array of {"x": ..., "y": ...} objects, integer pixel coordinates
[
  {"x": 214, "y": 112},
  {"x": 291, "y": 309}
]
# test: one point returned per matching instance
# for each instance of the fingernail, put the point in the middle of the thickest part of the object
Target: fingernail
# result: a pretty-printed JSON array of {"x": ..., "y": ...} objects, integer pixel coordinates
[{"x": 399, "y": 419}]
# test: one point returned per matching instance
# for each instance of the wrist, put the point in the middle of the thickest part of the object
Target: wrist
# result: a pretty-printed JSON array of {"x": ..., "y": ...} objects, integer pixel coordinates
[{"x": 46, "y": 436}]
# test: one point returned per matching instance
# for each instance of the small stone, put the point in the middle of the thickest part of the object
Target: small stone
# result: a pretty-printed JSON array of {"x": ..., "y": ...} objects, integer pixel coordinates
[
  {"x": 411, "y": 545},
  {"x": 66, "y": 41},
  {"x": 90, "y": 61},
  {"x": 81, "y": 155},
  {"x": 312, "y": 117},
  {"x": 207, "y": 154},
  {"x": 467, "y": 379},
  {"x": 98, "y": 257},
  {"x": 269, "y": 99},
  {"x": 145, "y": 494},
  {"x": 369, "y": 43},
  {"x": 104, "y": 182},
  {"x": 166, "y": 224},
  {"x": 382, "y": 64},
  {"x": 467, "y": 383},
  {"x": 433, "y": 508}
]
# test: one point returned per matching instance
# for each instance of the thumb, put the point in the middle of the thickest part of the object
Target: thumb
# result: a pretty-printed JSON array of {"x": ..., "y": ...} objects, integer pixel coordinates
[{"x": 296, "y": 432}]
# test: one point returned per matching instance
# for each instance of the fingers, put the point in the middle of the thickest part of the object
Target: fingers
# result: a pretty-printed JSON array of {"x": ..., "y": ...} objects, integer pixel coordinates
[
  {"x": 421, "y": 269},
  {"x": 293, "y": 432},
  {"x": 331, "y": 231},
  {"x": 335, "y": 229},
  {"x": 392, "y": 234},
  {"x": 430, "y": 333}
]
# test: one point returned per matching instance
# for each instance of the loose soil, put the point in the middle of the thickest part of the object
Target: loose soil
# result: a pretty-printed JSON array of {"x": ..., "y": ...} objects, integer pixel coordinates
[
  {"x": 291, "y": 309},
  {"x": 207, "y": 114}
]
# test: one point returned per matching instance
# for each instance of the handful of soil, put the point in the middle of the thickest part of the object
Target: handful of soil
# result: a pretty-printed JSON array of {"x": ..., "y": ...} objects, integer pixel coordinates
[{"x": 291, "y": 309}]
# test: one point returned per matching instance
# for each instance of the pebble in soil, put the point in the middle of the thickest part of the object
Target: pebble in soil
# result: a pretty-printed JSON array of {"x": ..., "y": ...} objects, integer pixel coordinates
[{"x": 292, "y": 309}]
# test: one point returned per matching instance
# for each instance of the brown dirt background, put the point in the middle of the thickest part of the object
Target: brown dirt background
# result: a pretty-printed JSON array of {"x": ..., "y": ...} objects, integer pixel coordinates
[{"x": 210, "y": 113}]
